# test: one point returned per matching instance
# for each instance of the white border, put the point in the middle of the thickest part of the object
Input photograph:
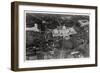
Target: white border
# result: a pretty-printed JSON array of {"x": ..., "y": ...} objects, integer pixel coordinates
[{"x": 60, "y": 62}]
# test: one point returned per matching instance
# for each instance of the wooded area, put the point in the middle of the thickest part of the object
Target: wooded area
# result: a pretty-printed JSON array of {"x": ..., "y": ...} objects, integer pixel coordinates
[{"x": 56, "y": 36}]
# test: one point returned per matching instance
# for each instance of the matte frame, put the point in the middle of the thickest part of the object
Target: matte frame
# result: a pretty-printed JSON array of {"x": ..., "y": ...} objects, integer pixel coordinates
[{"x": 14, "y": 35}]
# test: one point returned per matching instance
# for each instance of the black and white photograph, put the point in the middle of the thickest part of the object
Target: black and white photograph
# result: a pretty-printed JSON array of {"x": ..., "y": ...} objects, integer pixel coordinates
[
  {"x": 56, "y": 36},
  {"x": 53, "y": 36}
]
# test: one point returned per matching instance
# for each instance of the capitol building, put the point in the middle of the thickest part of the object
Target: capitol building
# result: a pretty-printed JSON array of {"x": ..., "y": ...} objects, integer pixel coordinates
[{"x": 64, "y": 31}]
